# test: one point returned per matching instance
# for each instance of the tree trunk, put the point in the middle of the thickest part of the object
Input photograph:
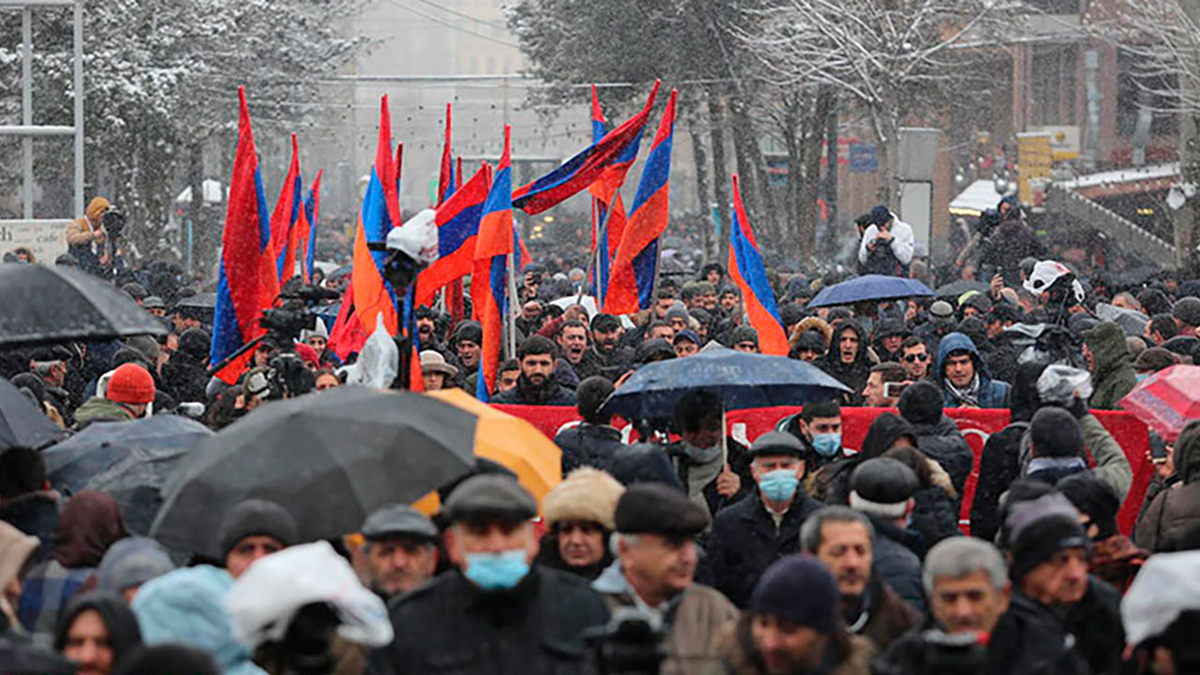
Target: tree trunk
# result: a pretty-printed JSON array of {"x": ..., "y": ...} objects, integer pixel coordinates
[
  {"x": 700, "y": 159},
  {"x": 830, "y": 188},
  {"x": 195, "y": 210},
  {"x": 888, "y": 136},
  {"x": 812, "y": 137},
  {"x": 716, "y": 133},
  {"x": 790, "y": 132}
]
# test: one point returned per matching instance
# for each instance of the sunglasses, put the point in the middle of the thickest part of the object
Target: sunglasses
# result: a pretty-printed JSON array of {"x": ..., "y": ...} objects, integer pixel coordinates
[{"x": 913, "y": 358}]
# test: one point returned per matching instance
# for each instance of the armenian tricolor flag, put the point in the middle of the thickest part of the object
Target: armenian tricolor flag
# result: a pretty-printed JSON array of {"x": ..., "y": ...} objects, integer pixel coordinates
[
  {"x": 747, "y": 271},
  {"x": 489, "y": 281}
]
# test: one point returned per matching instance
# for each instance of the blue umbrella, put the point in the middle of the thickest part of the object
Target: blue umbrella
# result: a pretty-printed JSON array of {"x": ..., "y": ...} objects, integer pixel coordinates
[
  {"x": 741, "y": 380},
  {"x": 869, "y": 288},
  {"x": 128, "y": 460}
]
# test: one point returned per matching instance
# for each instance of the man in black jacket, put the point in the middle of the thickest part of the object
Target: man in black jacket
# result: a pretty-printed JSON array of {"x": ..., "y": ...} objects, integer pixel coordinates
[
  {"x": 847, "y": 359},
  {"x": 497, "y": 612},
  {"x": 938, "y": 437},
  {"x": 883, "y": 489},
  {"x": 765, "y": 526},
  {"x": 594, "y": 441},
  {"x": 537, "y": 384}
]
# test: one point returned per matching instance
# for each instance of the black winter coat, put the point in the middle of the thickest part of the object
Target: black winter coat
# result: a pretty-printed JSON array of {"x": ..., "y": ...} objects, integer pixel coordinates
[
  {"x": 585, "y": 444},
  {"x": 744, "y": 542},
  {"x": 935, "y": 517},
  {"x": 449, "y": 626},
  {"x": 896, "y": 563},
  {"x": 184, "y": 379},
  {"x": 1096, "y": 622},
  {"x": 944, "y": 444},
  {"x": 1030, "y": 640},
  {"x": 549, "y": 393},
  {"x": 999, "y": 466}
]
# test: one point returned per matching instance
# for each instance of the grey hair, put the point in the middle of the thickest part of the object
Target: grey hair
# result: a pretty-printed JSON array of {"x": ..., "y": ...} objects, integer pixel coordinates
[
  {"x": 810, "y": 531},
  {"x": 958, "y": 557},
  {"x": 615, "y": 539}
]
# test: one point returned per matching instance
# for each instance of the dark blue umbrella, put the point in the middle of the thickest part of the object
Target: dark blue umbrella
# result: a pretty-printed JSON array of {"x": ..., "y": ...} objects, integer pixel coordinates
[
  {"x": 869, "y": 288},
  {"x": 741, "y": 380},
  {"x": 21, "y": 423},
  {"x": 128, "y": 460}
]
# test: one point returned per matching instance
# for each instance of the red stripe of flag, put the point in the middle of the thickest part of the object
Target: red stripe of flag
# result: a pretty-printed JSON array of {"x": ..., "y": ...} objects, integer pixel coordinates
[
  {"x": 748, "y": 272},
  {"x": 489, "y": 280}
]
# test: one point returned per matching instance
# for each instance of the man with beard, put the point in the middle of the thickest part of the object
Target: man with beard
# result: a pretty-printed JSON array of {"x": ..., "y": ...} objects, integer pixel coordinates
[
  {"x": 467, "y": 342},
  {"x": 537, "y": 384},
  {"x": 847, "y": 360},
  {"x": 607, "y": 357},
  {"x": 843, "y": 539},
  {"x": 889, "y": 336}
]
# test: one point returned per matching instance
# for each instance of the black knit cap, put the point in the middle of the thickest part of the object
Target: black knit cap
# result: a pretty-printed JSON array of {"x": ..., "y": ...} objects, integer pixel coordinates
[
  {"x": 799, "y": 589},
  {"x": 1039, "y": 529},
  {"x": 256, "y": 517},
  {"x": 1093, "y": 498},
  {"x": 921, "y": 403},
  {"x": 1056, "y": 433},
  {"x": 168, "y": 659},
  {"x": 655, "y": 508}
]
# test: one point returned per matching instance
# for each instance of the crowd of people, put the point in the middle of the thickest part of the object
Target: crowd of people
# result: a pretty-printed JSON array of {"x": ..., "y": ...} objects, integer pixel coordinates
[{"x": 680, "y": 550}]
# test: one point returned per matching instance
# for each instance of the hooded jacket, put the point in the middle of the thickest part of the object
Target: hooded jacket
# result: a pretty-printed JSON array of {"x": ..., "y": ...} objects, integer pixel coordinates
[
  {"x": 124, "y": 634},
  {"x": 1176, "y": 508},
  {"x": 991, "y": 394},
  {"x": 1112, "y": 369},
  {"x": 854, "y": 375}
]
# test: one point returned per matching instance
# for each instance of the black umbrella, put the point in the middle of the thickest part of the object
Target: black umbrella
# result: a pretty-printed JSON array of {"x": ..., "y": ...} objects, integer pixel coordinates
[
  {"x": 56, "y": 304},
  {"x": 21, "y": 423},
  {"x": 957, "y": 288},
  {"x": 128, "y": 460},
  {"x": 329, "y": 458}
]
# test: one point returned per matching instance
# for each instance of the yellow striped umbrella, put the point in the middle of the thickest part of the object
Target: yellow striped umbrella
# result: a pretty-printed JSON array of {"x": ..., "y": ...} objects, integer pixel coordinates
[{"x": 507, "y": 440}]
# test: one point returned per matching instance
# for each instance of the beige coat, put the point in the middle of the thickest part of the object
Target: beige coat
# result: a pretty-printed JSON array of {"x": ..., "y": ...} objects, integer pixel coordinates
[{"x": 691, "y": 642}]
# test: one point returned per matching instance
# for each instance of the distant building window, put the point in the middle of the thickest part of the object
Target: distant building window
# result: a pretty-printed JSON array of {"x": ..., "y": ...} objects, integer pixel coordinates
[
  {"x": 1053, "y": 84},
  {"x": 1136, "y": 89}
]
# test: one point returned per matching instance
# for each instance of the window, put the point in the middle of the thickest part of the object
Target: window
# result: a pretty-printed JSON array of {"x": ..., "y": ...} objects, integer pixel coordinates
[{"x": 1136, "y": 90}]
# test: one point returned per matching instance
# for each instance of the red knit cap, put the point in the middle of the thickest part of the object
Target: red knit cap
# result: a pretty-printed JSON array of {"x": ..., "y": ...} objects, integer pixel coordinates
[{"x": 131, "y": 384}]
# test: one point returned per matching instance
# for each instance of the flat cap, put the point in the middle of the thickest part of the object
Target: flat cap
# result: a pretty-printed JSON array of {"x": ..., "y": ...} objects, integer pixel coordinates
[
  {"x": 776, "y": 443},
  {"x": 397, "y": 520},
  {"x": 153, "y": 302},
  {"x": 658, "y": 509},
  {"x": 489, "y": 497}
]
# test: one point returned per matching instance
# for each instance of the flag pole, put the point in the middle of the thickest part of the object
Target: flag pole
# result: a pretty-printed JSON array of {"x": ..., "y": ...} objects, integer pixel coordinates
[
  {"x": 594, "y": 261},
  {"x": 510, "y": 323}
]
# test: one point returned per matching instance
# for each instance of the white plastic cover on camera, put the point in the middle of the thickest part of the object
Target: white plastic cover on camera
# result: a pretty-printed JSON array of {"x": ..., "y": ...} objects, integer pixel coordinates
[
  {"x": 266, "y": 597},
  {"x": 378, "y": 362},
  {"x": 1061, "y": 384},
  {"x": 418, "y": 238},
  {"x": 1167, "y": 585}
]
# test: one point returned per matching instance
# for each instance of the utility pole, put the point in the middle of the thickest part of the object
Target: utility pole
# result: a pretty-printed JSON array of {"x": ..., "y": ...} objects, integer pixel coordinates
[{"x": 1189, "y": 163}]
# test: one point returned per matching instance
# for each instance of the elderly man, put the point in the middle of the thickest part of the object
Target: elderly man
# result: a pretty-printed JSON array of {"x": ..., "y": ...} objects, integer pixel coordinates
[
  {"x": 497, "y": 611},
  {"x": 251, "y": 530},
  {"x": 765, "y": 526},
  {"x": 579, "y": 519},
  {"x": 842, "y": 539},
  {"x": 656, "y": 554},
  {"x": 399, "y": 552},
  {"x": 884, "y": 489},
  {"x": 792, "y": 626},
  {"x": 967, "y": 584},
  {"x": 1060, "y": 620}
]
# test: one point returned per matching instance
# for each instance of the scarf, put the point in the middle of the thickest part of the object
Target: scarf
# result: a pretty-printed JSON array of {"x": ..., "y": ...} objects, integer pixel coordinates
[{"x": 969, "y": 395}]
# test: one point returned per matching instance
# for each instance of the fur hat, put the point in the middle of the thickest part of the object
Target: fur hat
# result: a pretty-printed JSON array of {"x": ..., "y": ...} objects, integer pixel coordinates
[{"x": 587, "y": 494}]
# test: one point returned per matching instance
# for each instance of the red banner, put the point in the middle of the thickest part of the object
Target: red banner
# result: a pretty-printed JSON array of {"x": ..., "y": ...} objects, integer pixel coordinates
[{"x": 976, "y": 425}]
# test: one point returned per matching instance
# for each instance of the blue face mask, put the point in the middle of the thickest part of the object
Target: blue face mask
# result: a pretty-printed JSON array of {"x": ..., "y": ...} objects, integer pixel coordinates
[
  {"x": 827, "y": 445},
  {"x": 780, "y": 485},
  {"x": 497, "y": 571}
]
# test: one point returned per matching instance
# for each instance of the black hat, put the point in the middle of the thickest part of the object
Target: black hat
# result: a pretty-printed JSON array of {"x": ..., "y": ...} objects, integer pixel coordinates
[
  {"x": 167, "y": 659},
  {"x": 470, "y": 331},
  {"x": 1056, "y": 433},
  {"x": 605, "y": 323},
  {"x": 489, "y": 497},
  {"x": 921, "y": 403},
  {"x": 890, "y": 328},
  {"x": 135, "y": 290},
  {"x": 791, "y": 314},
  {"x": 398, "y": 520},
  {"x": 153, "y": 302},
  {"x": 686, "y": 334},
  {"x": 1094, "y": 498},
  {"x": 1039, "y": 529},
  {"x": 882, "y": 486},
  {"x": 810, "y": 340},
  {"x": 799, "y": 589},
  {"x": 1187, "y": 310},
  {"x": 743, "y": 334},
  {"x": 256, "y": 517},
  {"x": 776, "y": 443},
  {"x": 657, "y": 509},
  {"x": 651, "y": 349},
  {"x": 880, "y": 215},
  {"x": 195, "y": 342}
]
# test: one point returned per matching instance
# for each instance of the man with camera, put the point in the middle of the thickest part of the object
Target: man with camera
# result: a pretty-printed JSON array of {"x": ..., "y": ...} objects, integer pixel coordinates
[
  {"x": 887, "y": 244},
  {"x": 967, "y": 584},
  {"x": 656, "y": 551},
  {"x": 92, "y": 238}
]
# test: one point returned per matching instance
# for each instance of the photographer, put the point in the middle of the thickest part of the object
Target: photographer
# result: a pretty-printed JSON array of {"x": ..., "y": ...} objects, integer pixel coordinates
[
  {"x": 91, "y": 239},
  {"x": 887, "y": 244}
]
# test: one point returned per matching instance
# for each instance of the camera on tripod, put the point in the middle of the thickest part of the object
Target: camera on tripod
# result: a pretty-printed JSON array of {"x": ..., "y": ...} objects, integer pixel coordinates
[
  {"x": 631, "y": 643},
  {"x": 286, "y": 374}
]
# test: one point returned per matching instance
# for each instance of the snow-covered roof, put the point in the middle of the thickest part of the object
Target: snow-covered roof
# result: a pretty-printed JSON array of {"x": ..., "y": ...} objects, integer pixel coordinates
[
  {"x": 977, "y": 198},
  {"x": 1154, "y": 172}
]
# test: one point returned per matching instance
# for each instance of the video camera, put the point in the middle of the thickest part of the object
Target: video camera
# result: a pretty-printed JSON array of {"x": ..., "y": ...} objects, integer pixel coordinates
[
  {"x": 631, "y": 642},
  {"x": 952, "y": 653},
  {"x": 286, "y": 374}
]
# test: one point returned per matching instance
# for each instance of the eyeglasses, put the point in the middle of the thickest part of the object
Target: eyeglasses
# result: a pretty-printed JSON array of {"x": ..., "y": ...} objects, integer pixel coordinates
[{"x": 913, "y": 358}]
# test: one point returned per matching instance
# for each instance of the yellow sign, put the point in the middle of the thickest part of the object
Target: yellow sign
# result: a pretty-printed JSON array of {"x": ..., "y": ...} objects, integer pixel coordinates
[{"x": 1034, "y": 159}]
